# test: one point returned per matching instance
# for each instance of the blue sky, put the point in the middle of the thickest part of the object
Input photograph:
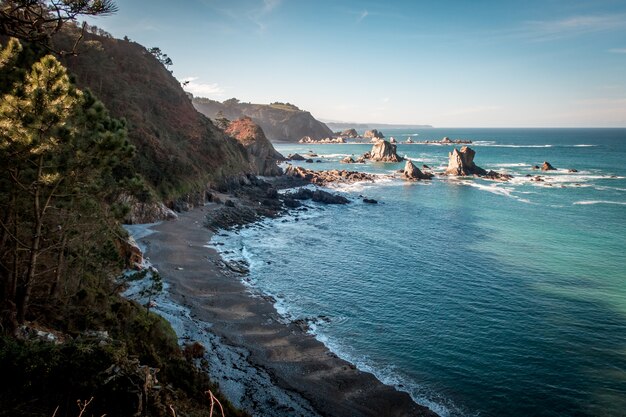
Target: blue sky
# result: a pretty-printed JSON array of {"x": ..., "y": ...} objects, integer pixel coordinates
[{"x": 548, "y": 63}]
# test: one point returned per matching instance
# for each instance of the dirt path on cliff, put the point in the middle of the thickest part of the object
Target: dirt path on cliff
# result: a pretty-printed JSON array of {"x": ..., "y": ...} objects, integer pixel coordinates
[{"x": 296, "y": 361}]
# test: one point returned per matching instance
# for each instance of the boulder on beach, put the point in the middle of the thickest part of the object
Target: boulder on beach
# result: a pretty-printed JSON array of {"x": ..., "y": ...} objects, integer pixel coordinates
[
  {"x": 546, "y": 166},
  {"x": 461, "y": 163},
  {"x": 373, "y": 134},
  {"x": 411, "y": 172},
  {"x": 383, "y": 151}
]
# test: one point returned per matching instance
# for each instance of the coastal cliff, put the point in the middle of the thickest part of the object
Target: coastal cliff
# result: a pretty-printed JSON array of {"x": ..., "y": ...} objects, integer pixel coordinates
[
  {"x": 262, "y": 155},
  {"x": 178, "y": 150},
  {"x": 280, "y": 121}
]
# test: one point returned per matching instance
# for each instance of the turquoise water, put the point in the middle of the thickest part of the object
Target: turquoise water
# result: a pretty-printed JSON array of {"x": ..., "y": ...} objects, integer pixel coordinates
[{"x": 477, "y": 298}]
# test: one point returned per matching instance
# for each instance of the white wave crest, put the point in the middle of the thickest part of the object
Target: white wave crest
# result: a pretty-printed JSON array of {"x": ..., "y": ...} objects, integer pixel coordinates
[{"x": 590, "y": 202}]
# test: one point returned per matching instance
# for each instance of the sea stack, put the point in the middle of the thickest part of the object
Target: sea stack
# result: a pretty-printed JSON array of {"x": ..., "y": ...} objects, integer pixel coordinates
[
  {"x": 461, "y": 163},
  {"x": 411, "y": 172},
  {"x": 384, "y": 151},
  {"x": 373, "y": 134}
]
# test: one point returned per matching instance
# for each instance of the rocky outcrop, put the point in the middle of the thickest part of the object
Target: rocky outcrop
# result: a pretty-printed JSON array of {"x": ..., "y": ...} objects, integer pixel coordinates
[
  {"x": 373, "y": 134},
  {"x": 295, "y": 157},
  {"x": 145, "y": 212},
  {"x": 546, "y": 166},
  {"x": 308, "y": 139},
  {"x": 279, "y": 121},
  {"x": 326, "y": 177},
  {"x": 349, "y": 133},
  {"x": 445, "y": 141},
  {"x": 262, "y": 155},
  {"x": 347, "y": 160},
  {"x": 497, "y": 176},
  {"x": 318, "y": 196},
  {"x": 383, "y": 151},
  {"x": 411, "y": 172},
  {"x": 461, "y": 163}
]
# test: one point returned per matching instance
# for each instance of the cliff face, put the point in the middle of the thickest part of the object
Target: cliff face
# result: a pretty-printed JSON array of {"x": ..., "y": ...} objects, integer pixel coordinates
[
  {"x": 261, "y": 153},
  {"x": 178, "y": 149},
  {"x": 280, "y": 122}
]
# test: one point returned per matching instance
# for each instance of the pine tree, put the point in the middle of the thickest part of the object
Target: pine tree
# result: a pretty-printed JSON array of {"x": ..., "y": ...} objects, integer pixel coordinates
[{"x": 58, "y": 147}]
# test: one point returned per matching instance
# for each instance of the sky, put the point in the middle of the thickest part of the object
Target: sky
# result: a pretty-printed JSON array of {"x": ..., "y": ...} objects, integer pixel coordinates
[{"x": 480, "y": 63}]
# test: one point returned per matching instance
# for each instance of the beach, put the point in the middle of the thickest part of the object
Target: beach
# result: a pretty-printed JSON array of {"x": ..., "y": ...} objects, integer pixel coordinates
[{"x": 280, "y": 368}]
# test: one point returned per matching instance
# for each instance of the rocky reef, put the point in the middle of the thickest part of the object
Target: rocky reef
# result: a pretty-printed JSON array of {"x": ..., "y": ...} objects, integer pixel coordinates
[{"x": 326, "y": 177}]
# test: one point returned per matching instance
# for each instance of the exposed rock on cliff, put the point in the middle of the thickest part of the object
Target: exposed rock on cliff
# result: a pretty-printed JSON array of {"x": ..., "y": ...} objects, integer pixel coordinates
[
  {"x": 262, "y": 155},
  {"x": 411, "y": 172},
  {"x": 383, "y": 151},
  {"x": 461, "y": 163},
  {"x": 547, "y": 167},
  {"x": 279, "y": 121},
  {"x": 373, "y": 134}
]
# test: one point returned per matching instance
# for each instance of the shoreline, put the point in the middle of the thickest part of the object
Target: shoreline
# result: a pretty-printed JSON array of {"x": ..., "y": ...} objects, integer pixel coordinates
[{"x": 281, "y": 369}]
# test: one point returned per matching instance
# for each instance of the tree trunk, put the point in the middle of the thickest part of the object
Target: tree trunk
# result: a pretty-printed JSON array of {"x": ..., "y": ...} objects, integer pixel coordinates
[{"x": 27, "y": 284}]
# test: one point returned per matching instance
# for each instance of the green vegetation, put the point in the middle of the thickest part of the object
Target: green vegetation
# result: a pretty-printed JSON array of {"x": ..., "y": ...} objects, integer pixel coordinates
[
  {"x": 66, "y": 334},
  {"x": 285, "y": 106}
]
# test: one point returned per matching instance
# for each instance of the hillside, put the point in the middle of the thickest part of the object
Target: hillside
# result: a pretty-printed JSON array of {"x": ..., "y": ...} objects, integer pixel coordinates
[
  {"x": 279, "y": 121},
  {"x": 178, "y": 149},
  {"x": 336, "y": 126}
]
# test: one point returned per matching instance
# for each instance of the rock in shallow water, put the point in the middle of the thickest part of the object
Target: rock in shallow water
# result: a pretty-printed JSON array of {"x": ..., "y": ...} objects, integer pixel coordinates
[{"x": 411, "y": 172}]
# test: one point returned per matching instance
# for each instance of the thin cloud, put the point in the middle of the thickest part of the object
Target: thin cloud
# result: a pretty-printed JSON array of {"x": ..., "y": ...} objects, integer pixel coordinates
[
  {"x": 574, "y": 26},
  {"x": 362, "y": 15},
  {"x": 202, "y": 89},
  {"x": 618, "y": 51}
]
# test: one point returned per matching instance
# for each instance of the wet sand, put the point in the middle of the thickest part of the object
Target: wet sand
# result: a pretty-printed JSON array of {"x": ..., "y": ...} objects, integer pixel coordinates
[{"x": 311, "y": 379}]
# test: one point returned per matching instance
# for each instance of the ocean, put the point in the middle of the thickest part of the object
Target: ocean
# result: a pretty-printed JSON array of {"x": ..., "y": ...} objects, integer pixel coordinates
[{"x": 478, "y": 298}]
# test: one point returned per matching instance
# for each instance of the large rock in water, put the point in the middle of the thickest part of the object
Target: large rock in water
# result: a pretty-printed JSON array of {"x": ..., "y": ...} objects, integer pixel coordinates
[
  {"x": 349, "y": 133},
  {"x": 546, "y": 166},
  {"x": 384, "y": 151},
  {"x": 262, "y": 155},
  {"x": 411, "y": 172},
  {"x": 461, "y": 163},
  {"x": 373, "y": 134}
]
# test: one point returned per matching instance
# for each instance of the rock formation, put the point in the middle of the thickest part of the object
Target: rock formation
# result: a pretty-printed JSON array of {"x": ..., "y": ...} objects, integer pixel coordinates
[
  {"x": 347, "y": 160},
  {"x": 262, "y": 155},
  {"x": 383, "y": 151},
  {"x": 547, "y": 167},
  {"x": 373, "y": 134},
  {"x": 295, "y": 157},
  {"x": 308, "y": 139},
  {"x": 411, "y": 172},
  {"x": 349, "y": 133},
  {"x": 325, "y": 177},
  {"x": 461, "y": 163},
  {"x": 318, "y": 196}
]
